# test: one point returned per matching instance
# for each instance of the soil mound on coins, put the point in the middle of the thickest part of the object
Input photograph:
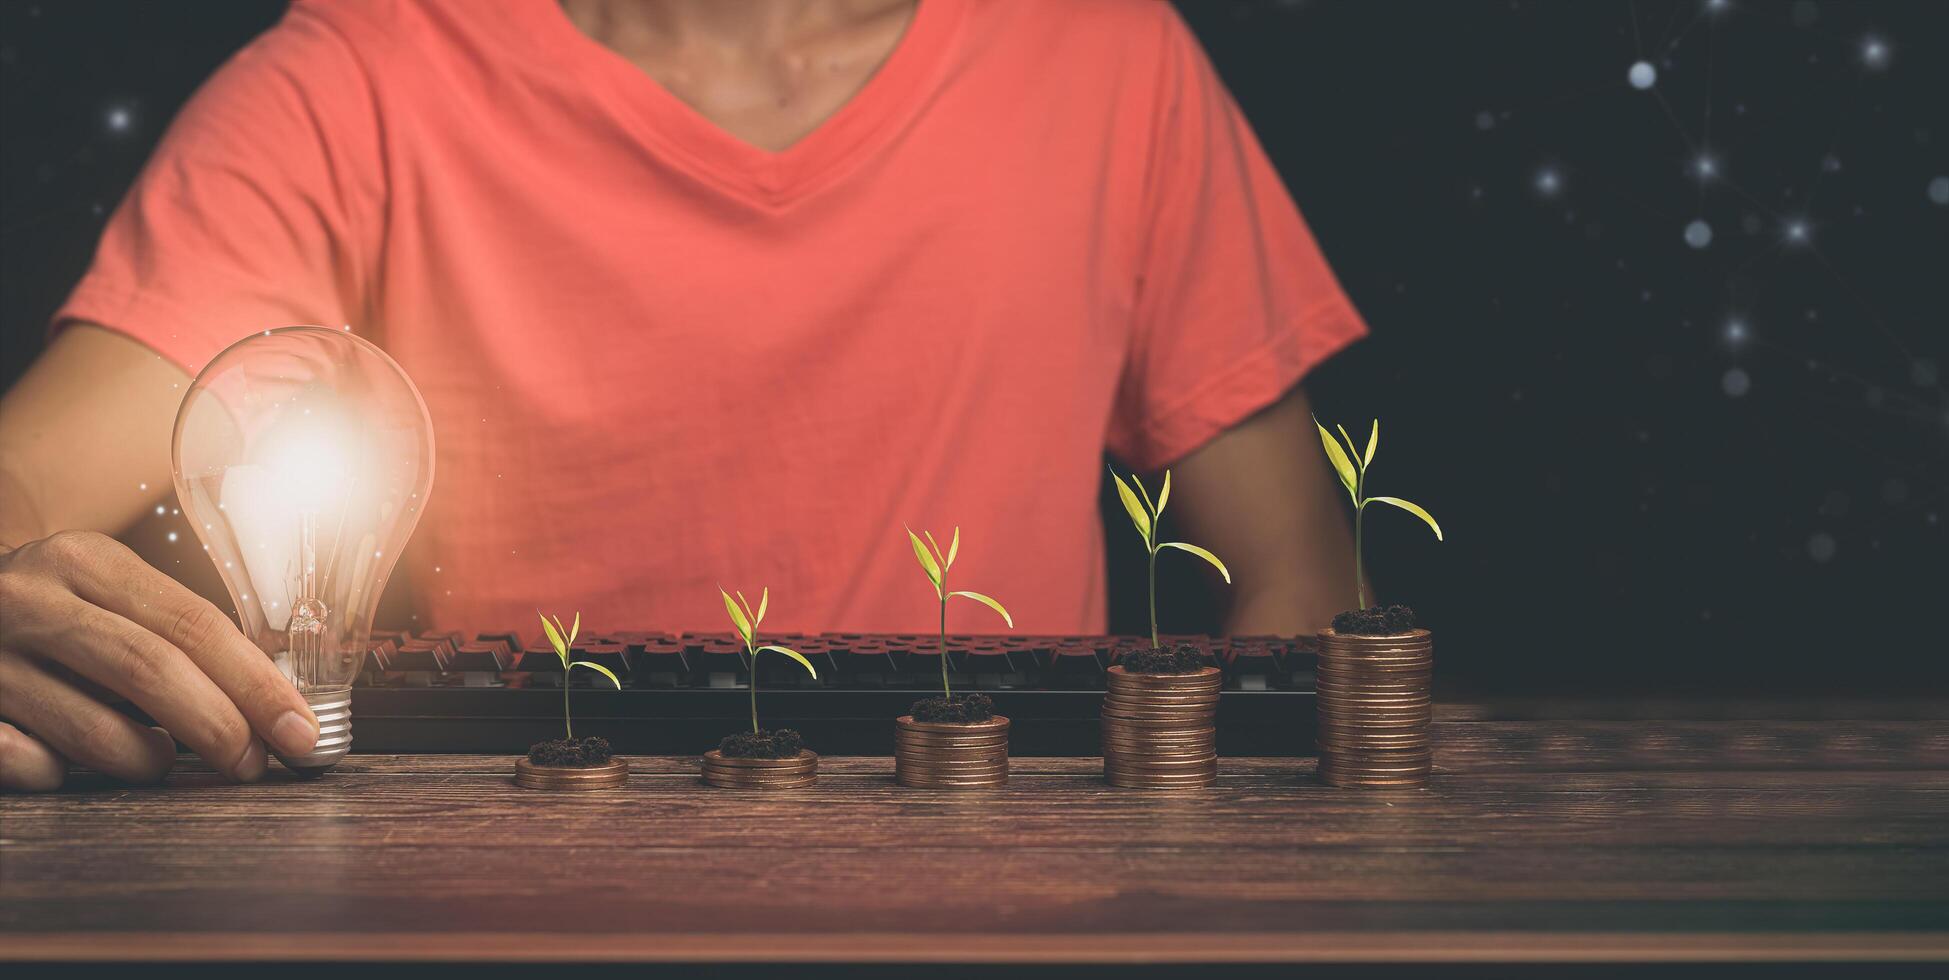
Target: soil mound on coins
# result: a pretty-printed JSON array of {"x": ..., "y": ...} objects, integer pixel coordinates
[
  {"x": 765, "y": 744},
  {"x": 578, "y": 753},
  {"x": 965, "y": 709},
  {"x": 1181, "y": 659},
  {"x": 1375, "y": 621}
]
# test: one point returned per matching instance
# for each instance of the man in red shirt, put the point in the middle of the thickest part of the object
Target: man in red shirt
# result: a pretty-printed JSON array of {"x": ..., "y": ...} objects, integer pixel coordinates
[{"x": 695, "y": 293}]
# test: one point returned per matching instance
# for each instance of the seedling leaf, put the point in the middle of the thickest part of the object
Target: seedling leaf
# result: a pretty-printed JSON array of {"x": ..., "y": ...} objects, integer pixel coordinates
[
  {"x": 750, "y": 617},
  {"x": 737, "y": 616},
  {"x": 598, "y": 668},
  {"x": 954, "y": 546},
  {"x": 1414, "y": 509},
  {"x": 1164, "y": 495},
  {"x": 940, "y": 557},
  {"x": 795, "y": 655},
  {"x": 1132, "y": 506},
  {"x": 990, "y": 603},
  {"x": 764, "y": 601},
  {"x": 555, "y": 640},
  {"x": 1202, "y": 553},
  {"x": 576, "y": 630},
  {"x": 1373, "y": 442},
  {"x": 927, "y": 562},
  {"x": 1338, "y": 457}
]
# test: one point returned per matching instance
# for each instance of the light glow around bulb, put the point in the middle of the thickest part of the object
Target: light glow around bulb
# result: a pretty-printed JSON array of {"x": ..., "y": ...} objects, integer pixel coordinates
[{"x": 303, "y": 456}]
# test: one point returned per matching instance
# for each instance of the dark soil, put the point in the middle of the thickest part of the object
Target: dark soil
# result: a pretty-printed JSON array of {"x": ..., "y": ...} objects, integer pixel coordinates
[
  {"x": 963, "y": 709},
  {"x": 766, "y": 744},
  {"x": 1375, "y": 621},
  {"x": 1182, "y": 659},
  {"x": 577, "y": 753}
]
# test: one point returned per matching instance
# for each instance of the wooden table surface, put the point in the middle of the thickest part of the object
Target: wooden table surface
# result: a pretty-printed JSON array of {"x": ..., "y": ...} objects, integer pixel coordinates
[{"x": 1539, "y": 839}]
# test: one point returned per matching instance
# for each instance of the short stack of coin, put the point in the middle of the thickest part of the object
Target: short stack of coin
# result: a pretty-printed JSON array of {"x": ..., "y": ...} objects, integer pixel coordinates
[
  {"x": 944, "y": 755},
  {"x": 1374, "y": 708},
  {"x": 1160, "y": 730},
  {"x": 741, "y": 772},
  {"x": 531, "y": 776}
]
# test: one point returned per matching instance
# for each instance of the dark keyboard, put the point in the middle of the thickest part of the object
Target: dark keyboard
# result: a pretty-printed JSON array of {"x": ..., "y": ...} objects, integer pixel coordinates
[{"x": 499, "y": 692}]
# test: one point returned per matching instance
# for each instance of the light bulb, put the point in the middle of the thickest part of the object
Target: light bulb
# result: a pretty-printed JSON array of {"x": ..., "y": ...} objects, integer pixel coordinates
[{"x": 303, "y": 457}]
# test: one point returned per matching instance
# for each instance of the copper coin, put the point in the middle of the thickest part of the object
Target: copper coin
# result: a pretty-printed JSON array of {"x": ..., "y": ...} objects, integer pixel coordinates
[
  {"x": 1204, "y": 676},
  {"x": 946, "y": 745},
  {"x": 741, "y": 781},
  {"x": 920, "y": 781},
  {"x": 1130, "y": 780},
  {"x": 944, "y": 764},
  {"x": 1117, "y": 697},
  {"x": 804, "y": 758},
  {"x": 573, "y": 778},
  {"x": 997, "y": 723},
  {"x": 1127, "y": 764}
]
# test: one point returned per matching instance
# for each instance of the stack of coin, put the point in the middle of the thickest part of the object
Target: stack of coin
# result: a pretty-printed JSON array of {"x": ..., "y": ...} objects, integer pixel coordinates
[
  {"x": 1160, "y": 730},
  {"x": 942, "y": 755},
  {"x": 531, "y": 776},
  {"x": 1374, "y": 708},
  {"x": 740, "y": 772}
]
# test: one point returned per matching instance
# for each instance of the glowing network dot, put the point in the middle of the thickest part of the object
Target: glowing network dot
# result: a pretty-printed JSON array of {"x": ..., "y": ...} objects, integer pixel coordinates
[
  {"x": 1874, "y": 53},
  {"x": 1717, "y": 6},
  {"x": 160, "y": 509},
  {"x": 1737, "y": 331},
  {"x": 172, "y": 536},
  {"x": 1642, "y": 75},
  {"x": 1939, "y": 190},
  {"x": 1698, "y": 234},
  {"x": 1548, "y": 182},
  {"x": 118, "y": 119},
  {"x": 1705, "y": 167},
  {"x": 1736, "y": 382},
  {"x": 1796, "y": 231},
  {"x": 1821, "y": 546}
]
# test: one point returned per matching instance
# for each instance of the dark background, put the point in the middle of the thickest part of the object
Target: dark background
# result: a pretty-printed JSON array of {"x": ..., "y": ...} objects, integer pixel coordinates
[{"x": 1660, "y": 467}]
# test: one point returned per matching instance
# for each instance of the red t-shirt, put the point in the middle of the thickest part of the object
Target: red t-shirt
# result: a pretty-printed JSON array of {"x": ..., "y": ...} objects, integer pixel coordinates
[{"x": 659, "y": 359}]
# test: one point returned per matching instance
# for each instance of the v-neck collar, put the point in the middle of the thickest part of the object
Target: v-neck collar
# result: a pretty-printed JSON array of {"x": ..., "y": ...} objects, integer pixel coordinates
[{"x": 878, "y": 111}]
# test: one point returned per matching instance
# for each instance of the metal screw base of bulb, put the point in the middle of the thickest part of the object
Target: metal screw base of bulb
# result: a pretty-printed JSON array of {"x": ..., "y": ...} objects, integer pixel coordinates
[{"x": 334, "y": 712}]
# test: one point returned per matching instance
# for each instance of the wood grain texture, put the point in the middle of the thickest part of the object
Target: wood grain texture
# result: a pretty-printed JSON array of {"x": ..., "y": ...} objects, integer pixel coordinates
[{"x": 1536, "y": 840}]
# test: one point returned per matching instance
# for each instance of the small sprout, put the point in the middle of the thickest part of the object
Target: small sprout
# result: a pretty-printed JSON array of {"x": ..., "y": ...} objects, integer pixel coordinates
[
  {"x": 747, "y": 622},
  {"x": 1350, "y": 465},
  {"x": 936, "y": 563},
  {"x": 562, "y": 640},
  {"x": 1144, "y": 516}
]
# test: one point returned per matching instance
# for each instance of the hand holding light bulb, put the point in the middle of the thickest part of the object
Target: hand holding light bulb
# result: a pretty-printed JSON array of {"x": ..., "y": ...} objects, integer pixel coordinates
[
  {"x": 303, "y": 458},
  {"x": 87, "y": 622}
]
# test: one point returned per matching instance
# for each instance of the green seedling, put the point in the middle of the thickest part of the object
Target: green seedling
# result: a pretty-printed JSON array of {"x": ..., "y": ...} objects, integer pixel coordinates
[
  {"x": 747, "y": 622},
  {"x": 936, "y": 563},
  {"x": 1144, "y": 515},
  {"x": 1351, "y": 466},
  {"x": 562, "y": 640}
]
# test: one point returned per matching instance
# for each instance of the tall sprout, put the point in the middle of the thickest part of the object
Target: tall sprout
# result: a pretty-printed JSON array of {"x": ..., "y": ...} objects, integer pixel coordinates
[
  {"x": 936, "y": 564},
  {"x": 1144, "y": 516},
  {"x": 563, "y": 640},
  {"x": 1351, "y": 467},
  {"x": 747, "y": 622}
]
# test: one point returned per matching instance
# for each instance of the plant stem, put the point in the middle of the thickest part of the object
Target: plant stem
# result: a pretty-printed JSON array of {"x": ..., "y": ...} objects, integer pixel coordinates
[
  {"x": 945, "y": 693},
  {"x": 1153, "y": 599},
  {"x": 1359, "y": 559},
  {"x": 754, "y": 685}
]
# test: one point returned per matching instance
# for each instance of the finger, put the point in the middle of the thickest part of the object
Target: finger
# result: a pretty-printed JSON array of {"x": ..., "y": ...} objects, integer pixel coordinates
[
  {"x": 141, "y": 666},
  {"x": 27, "y": 766},
  {"x": 112, "y": 577},
  {"x": 79, "y": 727}
]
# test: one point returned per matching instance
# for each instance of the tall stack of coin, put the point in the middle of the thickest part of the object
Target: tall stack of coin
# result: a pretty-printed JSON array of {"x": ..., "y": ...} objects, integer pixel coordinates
[
  {"x": 1374, "y": 708},
  {"x": 950, "y": 755},
  {"x": 743, "y": 772},
  {"x": 1160, "y": 730}
]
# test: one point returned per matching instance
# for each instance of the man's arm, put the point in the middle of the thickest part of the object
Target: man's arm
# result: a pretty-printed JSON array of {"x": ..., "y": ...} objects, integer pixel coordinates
[
  {"x": 84, "y": 447},
  {"x": 1260, "y": 497}
]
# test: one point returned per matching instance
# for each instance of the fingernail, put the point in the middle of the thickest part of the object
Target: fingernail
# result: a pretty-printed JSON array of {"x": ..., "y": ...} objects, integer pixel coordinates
[
  {"x": 294, "y": 734},
  {"x": 251, "y": 767}
]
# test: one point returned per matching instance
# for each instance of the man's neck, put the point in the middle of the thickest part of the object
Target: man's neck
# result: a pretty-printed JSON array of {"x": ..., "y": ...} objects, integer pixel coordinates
[{"x": 716, "y": 23}]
